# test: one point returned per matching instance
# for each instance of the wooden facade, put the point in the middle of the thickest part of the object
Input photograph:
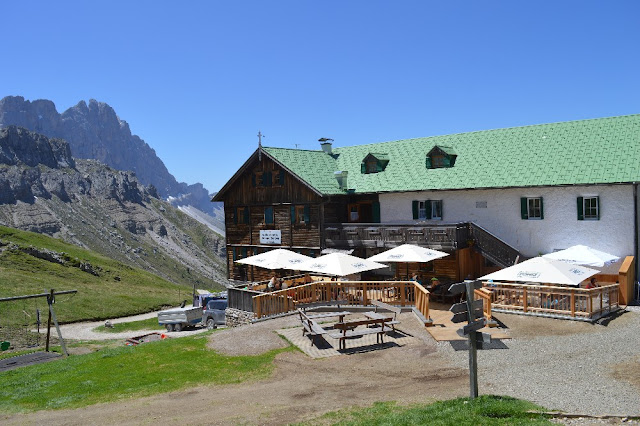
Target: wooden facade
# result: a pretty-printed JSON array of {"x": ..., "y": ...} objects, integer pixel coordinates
[{"x": 265, "y": 196}]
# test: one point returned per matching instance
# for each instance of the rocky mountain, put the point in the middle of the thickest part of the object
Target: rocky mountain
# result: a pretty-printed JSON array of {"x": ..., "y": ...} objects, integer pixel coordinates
[
  {"x": 44, "y": 189},
  {"x": 94, "y": 131}
]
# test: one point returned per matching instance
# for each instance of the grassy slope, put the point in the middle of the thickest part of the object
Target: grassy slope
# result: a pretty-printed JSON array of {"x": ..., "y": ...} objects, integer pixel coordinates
[
  {"x": 119, "y": 290},
  {"x": 124, "y": 372},
  {"x": 484, "y": 410}
]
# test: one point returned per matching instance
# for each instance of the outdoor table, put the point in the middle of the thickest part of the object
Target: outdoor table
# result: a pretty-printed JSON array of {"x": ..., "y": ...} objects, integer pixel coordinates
[{"x": 340, "y": 315}]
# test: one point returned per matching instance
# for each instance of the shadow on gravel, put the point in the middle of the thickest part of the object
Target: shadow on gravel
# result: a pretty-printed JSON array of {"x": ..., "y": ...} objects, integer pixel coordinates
[
  {"x": 463, "y": 345},
  {"x": 606, "y": 320}
]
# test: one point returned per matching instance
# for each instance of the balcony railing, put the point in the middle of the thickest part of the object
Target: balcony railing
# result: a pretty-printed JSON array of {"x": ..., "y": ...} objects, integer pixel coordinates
[{"x": 370, "y": 235}]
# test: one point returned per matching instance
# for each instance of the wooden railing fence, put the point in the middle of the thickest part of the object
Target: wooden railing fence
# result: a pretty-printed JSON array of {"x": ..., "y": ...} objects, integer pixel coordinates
[
  {"x": 399, "y": 293},
  {"x": 422, "y": 300},
  {"x": 485, "y": 295},
  {"x": 554, "y": 300}
]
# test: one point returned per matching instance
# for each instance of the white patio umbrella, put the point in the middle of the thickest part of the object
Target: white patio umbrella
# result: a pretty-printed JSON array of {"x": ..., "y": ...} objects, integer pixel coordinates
[
  {"x": 276, "y": 259},
  {"x": 543, "y": 270},
  {"x": 339, "y": 264},
  {"x": 582, "y": 255},
  {"x": 408, "y": 253}
]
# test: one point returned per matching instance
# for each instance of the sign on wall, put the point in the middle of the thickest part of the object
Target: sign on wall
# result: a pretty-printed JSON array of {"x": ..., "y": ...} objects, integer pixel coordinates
[{"x": 271, "y": 236}]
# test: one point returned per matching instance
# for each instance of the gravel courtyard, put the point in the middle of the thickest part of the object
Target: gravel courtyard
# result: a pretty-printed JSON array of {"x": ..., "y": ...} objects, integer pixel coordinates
[{"x": 570, "y": 366}]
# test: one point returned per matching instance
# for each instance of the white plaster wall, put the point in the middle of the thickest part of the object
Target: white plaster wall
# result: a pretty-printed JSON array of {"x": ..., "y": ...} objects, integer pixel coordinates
[{"x": 560, "y": 228}]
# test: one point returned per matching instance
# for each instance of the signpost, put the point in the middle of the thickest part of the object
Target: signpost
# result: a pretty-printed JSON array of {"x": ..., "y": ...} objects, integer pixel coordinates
[{"x": 469, "y": 311}]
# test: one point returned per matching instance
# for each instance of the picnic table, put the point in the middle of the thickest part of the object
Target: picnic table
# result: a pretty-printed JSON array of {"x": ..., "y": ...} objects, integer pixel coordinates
[{"x": 340, "y": 315}]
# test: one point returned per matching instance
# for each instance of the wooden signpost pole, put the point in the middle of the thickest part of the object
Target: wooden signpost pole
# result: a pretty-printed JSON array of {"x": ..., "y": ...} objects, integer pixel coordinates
[{"x": 473, "y": 348}]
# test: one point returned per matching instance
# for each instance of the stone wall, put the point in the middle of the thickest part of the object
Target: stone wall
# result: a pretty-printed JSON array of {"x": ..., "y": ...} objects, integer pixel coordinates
[{"x": 236, "y": 317}]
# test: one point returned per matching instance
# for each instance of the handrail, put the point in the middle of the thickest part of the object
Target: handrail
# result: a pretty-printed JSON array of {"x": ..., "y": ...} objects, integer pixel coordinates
[
  {"x": 557, "y": 301},
  {"x": 422, "y": 299},
  {"x": 358, "y": 293},
  {"x": 485, "y": 296},
  {"x": 492, "y": 247}
]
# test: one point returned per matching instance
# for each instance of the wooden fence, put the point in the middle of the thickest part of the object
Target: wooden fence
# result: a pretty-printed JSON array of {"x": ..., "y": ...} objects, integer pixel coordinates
[
  {"x": 399, "y": 293},
  {"x": 554, "y": 301},
  {"x": 422, "y": 300}
]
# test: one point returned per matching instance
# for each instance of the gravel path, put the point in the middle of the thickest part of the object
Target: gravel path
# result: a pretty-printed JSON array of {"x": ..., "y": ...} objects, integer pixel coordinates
[
  {"x": 565, "y": 365},
  {"x": 85, "y": 330}
]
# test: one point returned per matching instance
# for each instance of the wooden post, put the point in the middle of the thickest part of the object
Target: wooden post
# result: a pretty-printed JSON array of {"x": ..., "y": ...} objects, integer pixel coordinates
[
  {"x": 365, "y": 299},
  {"x": 573, "y": 303},
  {"x": 403, "y": 294},
  {"x": 524, "y": 299},
  {"x": 49, "y": 301},
  {"x": 55, "y": 321}
]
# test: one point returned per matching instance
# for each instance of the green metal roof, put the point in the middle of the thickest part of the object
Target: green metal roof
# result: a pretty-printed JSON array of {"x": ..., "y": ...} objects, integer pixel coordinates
[{"x": 597, "y": 151}]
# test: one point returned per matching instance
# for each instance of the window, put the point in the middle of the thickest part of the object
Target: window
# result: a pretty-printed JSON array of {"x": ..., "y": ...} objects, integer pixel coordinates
[
  {"x": 278, "y": 178},
  {"x": 261, "y": 179},
  {"x": 531, "y": 208},
  {"x": 374, "y": 163},
  {"x": 241, "y": 215},
  {"x": 354, "y": 213},
  {"x": 268, "y": 215},
  {"x": 422, "y": 210},
  {"x": 588, "y": 208},
  {"x": 440, "y": 157},
  {"x": 300, "y": 214},
  {"x": 436, "y": 209},
  {"x": 427, "y": 210}
]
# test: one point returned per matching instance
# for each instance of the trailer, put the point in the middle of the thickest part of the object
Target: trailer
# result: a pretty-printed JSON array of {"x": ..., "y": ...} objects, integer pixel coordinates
[{"x": 178, "y": 318}]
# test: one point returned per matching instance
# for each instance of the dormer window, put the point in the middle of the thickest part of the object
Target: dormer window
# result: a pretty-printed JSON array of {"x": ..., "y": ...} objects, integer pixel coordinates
[
  {"x": 440, "y": 157},
  {"x": 374, "y": 163}
]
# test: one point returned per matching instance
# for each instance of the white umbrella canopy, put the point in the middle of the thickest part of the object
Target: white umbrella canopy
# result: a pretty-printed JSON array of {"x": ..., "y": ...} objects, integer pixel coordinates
[
  {"x": 339, "y": 264},
  {"x": 276, "y": 259},
  {"x": 543, "y": 270},
  {"x": 582, "y": 255},
  {"x": 408, "y": 253}
]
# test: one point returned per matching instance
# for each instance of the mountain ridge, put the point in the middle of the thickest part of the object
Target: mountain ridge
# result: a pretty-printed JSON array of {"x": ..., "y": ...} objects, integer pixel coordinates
[
  {"x": 44, "y": 189},
  {"x": 94, "y": 131}
]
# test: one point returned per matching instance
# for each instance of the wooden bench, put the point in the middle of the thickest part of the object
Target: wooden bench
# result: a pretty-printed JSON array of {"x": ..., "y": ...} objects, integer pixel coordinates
[
  {"x": 392, "y": 321},
  {"x": 348, "y": 329},
  {"x": 310, "y": 327}
]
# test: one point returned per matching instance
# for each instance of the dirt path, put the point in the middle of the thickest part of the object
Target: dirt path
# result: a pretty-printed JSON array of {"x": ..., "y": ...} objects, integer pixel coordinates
[
  {"x": 301, "y": 387},
  {"x": 86, "y": 330}
]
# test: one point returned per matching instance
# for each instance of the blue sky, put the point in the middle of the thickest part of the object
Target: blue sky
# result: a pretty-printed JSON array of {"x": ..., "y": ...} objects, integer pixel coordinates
[{"x": 197, "y": 80}]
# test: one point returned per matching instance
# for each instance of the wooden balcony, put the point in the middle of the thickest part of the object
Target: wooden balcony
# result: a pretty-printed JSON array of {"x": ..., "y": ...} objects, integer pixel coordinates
[{"x": 371, "y": 235}]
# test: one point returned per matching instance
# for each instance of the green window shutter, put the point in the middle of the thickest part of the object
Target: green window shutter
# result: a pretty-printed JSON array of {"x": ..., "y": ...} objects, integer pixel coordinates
[
  {"x": 414, "y": 206},
  {"x": 541, "y": 209},
  {"x": 428, "y": 162},
  {"x": 281, "y": 177},
  {"x": 244, "y": 252},
  {"x": 235, "y": 254},
  {"x": 375, "y": 207},
  {"x": 235, "y": 215},
  {"x": 293, "y": 214},
  {"x": 253, "y": 179},
  {"x": 441, "y": 210},
  {"x": 446, "y": 161},
  {"x": 580, "y": 208},
  {"x": 378, "y": 166},
  {"x": 598, "y": 203},
  {"x": 307, "y": 213},
  {"x": 268, "y": 215},
  {"x": 246, "y": 215},
  {"x": 363, "y": 168},
  {"x": 427, "y": 207},
  {"x": 267, "y": 179},
  {"x": 524, "y": 208}
]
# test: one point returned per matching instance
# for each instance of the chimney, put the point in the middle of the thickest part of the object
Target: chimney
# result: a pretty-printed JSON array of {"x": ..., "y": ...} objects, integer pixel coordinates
[
  {"x": 341, "y": 177},
  {"x": 325, "y": 143}
]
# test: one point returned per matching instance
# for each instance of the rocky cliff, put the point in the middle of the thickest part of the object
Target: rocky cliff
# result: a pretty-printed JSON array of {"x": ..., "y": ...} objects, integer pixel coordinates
[
  {"x": 44, "y": 189},
  {"x": 94, "y": 131}
]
